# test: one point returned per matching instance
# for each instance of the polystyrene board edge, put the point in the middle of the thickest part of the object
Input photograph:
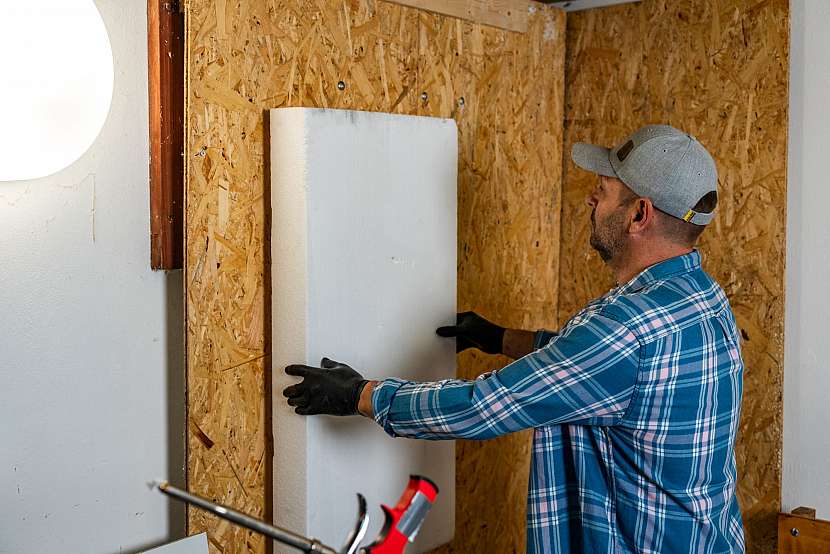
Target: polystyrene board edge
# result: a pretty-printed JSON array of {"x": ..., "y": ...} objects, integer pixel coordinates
[{"x": 288, "y": 208}]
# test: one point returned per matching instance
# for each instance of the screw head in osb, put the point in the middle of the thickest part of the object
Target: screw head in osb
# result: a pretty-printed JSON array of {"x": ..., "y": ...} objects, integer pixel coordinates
[
  {"x": 424, "y": 96},
  {"x": 202, "y": 152},
  {"x": 794, "y": 531},
  {"x": 461, "y": 102},
  {"x": 341, "y": 85}
]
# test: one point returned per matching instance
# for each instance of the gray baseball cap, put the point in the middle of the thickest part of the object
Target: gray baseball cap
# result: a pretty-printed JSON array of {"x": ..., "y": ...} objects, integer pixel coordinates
[{"x": 659, "y": 162}]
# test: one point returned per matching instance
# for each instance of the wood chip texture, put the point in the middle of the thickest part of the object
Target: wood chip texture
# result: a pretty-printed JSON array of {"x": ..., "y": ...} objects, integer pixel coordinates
[
  {"x": 506, "y": 92},
  {"x": 719, "y": 70}
]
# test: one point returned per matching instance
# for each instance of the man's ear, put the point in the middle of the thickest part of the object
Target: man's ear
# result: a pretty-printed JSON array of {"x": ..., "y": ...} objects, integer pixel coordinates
[{"x": 642, "y": 217}]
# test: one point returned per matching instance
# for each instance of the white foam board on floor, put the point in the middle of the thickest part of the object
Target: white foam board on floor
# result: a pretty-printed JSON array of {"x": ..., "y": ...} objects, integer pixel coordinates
[
  {"x": 363, "y": 271},
  {"x": 196, "y": 544}
]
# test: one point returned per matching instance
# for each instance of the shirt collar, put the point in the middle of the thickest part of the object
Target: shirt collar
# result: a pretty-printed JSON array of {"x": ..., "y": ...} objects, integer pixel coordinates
[{"x": 673, "y": 266}]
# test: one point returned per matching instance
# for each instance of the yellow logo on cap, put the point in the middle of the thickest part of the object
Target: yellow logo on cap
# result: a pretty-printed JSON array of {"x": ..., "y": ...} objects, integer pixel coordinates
[{"x": 689, "y": 215}]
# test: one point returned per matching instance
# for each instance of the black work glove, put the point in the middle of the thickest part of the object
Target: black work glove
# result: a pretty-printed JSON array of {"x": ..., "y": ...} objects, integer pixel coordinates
[
  {"x": 333, "y": 389},
  {"x": 473, "y": 331}
]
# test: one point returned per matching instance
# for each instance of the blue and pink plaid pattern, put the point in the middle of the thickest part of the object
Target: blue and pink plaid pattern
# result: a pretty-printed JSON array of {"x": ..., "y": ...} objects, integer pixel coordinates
[{"x": 634, "y": 404}]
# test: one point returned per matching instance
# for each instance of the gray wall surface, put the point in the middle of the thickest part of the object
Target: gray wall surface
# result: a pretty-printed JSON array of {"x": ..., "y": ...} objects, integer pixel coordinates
[{"x": 92, "y": 402}]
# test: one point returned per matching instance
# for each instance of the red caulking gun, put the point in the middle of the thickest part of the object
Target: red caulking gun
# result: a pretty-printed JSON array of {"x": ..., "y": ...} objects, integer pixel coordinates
[{"x": 403, "y": 521}]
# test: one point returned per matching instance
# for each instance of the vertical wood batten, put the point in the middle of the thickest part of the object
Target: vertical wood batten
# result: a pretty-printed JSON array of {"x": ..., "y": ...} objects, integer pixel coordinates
[{"x": 165, "y": 41}]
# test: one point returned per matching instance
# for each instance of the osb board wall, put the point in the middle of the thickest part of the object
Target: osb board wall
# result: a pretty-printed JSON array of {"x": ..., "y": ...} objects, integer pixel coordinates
[
  {"x": 718, "y": 69},
  {"x": 504, "y": 89}
]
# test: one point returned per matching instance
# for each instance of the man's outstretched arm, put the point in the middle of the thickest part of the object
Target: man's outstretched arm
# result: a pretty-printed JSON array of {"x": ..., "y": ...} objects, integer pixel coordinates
[
  {"x": 585, "y": 376},
  {"x": 473, "y": 331}
]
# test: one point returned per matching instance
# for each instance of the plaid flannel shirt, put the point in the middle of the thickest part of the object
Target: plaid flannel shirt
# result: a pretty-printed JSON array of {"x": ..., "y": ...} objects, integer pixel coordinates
[{"x": 634, "y": 404}]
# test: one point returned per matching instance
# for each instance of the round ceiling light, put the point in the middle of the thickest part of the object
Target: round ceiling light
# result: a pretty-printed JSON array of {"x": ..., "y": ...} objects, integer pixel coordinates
[{"x": 56, "y": 84}]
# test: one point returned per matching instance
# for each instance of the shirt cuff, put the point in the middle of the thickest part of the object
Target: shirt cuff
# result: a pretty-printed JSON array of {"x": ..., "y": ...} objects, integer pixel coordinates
[{"x": 382, "y": 396}]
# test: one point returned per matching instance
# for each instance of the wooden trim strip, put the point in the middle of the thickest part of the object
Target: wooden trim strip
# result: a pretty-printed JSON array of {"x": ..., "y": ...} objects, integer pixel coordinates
[
  {"x": 504, "y": 14},
  {"x": 802, "y": 535},
  {"x": 165, "y": 43}
]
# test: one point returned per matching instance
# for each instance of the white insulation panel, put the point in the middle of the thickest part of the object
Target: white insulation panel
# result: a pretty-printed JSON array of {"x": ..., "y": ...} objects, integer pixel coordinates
[
  {"x": 363, "y": 271},
  {"x": 196, "y": 544}
]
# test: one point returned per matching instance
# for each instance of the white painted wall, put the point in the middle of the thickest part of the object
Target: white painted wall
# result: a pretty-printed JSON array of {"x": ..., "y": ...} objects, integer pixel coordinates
[
  {"x": 91, "y": 372},
  {"x": 364, "y": 271},
  {"x": 806, "y": 464}
]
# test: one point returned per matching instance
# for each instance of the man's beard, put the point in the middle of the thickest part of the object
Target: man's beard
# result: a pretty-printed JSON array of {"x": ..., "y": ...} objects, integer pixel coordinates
[{"x": 608, "y": 240}]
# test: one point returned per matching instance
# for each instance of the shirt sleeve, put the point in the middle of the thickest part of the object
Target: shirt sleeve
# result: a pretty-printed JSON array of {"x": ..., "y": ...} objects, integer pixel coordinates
[{"x": 585, "y": 375}]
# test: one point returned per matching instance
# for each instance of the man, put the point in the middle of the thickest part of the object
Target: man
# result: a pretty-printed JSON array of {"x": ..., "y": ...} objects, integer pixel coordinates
[{"x": 634, "y": 403}]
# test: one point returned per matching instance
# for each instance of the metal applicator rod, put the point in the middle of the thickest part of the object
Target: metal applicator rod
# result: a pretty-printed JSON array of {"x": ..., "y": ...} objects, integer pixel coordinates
[{"x": 244, "y": 520}]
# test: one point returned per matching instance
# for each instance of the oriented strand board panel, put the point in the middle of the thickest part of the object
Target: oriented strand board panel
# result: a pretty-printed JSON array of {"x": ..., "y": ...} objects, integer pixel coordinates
[
  {"x": 363, "y": 271},
  {"x": 505, "y": 91},
  {"x": 718, "y": 69}
]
